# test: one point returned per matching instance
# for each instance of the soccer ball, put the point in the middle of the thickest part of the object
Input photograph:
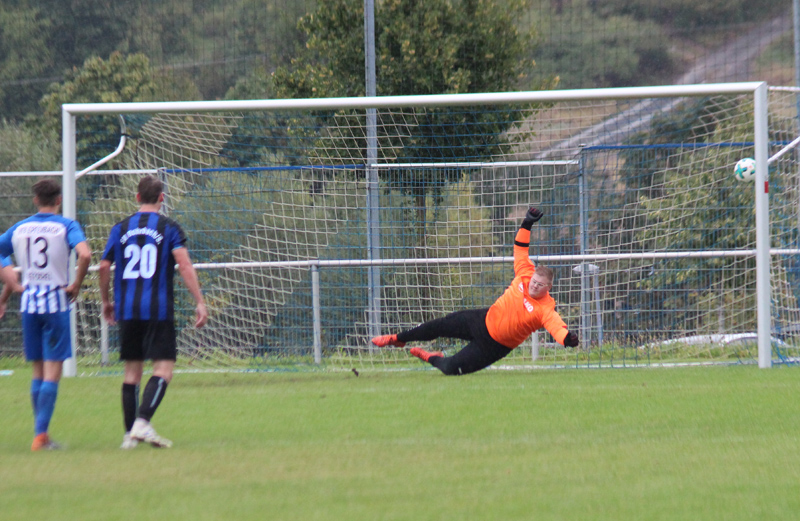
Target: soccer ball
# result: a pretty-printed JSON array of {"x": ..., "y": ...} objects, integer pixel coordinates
[{"x": 745, "y": 169}]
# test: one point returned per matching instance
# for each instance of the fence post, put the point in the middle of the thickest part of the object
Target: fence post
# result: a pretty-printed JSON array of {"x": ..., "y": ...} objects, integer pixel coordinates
[{"x": 316, "y": 314}]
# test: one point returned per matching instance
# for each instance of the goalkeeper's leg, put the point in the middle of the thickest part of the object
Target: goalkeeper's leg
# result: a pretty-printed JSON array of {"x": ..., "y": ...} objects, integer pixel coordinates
[
  {"x": 455, "y": 325},
  {"x": 475, "y": 356}
]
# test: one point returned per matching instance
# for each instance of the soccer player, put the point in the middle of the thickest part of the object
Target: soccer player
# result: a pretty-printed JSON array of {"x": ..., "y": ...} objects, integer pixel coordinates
[
  {"x": 145, "y": 247},
  {"x": 524, "y": 307},
  {"x": 41, "y": 245}
]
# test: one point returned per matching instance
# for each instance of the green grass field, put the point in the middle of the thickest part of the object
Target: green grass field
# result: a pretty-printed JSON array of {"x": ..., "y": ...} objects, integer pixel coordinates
[{"x": 685, "y": 444}]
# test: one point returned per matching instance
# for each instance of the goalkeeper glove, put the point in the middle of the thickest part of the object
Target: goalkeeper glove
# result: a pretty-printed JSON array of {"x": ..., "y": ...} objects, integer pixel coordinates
[
  {"x": 571, "y": 340},
  {"x": 531, "y": 217}
]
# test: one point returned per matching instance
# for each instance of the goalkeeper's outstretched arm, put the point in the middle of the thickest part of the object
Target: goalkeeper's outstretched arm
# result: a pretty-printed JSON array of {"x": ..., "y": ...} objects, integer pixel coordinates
[{"x": 522, "y": 241}]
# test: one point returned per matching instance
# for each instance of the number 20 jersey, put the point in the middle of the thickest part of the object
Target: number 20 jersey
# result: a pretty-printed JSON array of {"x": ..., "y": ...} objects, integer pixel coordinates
[
  {"x": 41, "y": 245},
  {"x": 141, "y": 247}
]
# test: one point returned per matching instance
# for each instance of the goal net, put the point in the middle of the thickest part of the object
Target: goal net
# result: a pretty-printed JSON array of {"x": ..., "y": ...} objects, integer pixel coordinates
[{"x": 313, "y": 231}]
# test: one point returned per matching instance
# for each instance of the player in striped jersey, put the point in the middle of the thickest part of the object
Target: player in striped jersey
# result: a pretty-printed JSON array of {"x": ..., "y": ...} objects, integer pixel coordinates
[
  {"x": 41, "y": 245},
  {"x": 524, "y": 307},
  {"x": 145, "y": 247}
]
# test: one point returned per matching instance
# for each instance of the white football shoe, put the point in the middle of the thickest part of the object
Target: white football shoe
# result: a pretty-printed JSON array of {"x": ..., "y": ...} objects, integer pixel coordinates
[
  {"x": 143, "y": 431},
  {"x": 128, "y": 442}
]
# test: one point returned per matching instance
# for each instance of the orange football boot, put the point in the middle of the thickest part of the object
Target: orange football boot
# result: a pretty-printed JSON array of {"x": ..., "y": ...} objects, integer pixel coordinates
[
  {"x": 423, "y": 355},
  {"x": 387, "y": 340}
]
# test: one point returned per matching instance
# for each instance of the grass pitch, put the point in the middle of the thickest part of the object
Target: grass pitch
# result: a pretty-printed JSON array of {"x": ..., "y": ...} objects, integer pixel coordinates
[{"x": 657, "y": 444}]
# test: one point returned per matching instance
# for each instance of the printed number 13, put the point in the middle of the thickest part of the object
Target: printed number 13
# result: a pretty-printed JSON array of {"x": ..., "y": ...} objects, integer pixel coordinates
[{"x": 40, "y": 250}]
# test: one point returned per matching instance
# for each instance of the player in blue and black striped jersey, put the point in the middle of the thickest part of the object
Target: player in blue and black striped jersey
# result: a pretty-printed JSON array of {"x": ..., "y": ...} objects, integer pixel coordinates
[
  {"x": 145, "y": 248},
  {"x": 41, "y": 245}
]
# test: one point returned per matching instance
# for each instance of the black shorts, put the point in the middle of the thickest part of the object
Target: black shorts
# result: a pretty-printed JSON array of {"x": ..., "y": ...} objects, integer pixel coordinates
[{"x": 147, "y": 340}]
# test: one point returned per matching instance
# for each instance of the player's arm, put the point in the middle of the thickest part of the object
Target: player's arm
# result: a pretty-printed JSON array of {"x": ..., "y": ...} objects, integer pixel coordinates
[
  {"x": 189, "y": 276},
  {"x": 10, "y": 284},
  {"x": 84, "y": 255},
  {"x": 9, "y": 276},
  {"x": 522, "y": 241},
  {"x": 556, "y": 326},
  {"x": 104, "y": 274},
  {"x": 105, "y": 282}
]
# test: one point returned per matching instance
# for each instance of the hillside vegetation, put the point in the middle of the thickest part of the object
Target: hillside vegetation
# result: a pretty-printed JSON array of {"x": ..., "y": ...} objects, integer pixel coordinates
[{"x": 53, "y": 51}]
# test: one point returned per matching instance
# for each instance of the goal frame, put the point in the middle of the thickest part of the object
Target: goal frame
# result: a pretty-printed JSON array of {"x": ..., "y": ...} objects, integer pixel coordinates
[{"x": 759, "y": 91}]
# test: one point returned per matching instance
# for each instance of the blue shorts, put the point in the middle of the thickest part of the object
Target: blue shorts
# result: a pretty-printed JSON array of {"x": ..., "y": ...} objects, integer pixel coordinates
[{"x": 46, "y": 336}]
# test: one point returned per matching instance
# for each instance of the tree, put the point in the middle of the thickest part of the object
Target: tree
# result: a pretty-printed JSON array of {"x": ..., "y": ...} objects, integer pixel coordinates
[
  {"x": 116, "y": 80},
  {"x": 423, "y": 47},
  {"x": 24, "y": 54},
  {"x": 82, "y": 29},
  {"x": 239, "y": 36},
  {"x": 430, "y": 47}
]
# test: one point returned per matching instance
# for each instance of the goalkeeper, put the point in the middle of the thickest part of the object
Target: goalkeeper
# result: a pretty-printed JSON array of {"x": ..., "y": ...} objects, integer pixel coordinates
[{"x": 524, "y": 307}]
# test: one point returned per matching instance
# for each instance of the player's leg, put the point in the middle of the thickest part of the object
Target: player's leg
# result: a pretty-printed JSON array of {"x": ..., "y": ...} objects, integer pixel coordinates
[
  {"x": 156, "y": 388},
  {"x": 48, "y": 393},
  {"x": 130, "y": 392},
  {"x": 473, "y": 357},
  {"x": 56, "y": 344},
  {"x": 160, "y": 345},
  {"x": 32, "y": 342},
  {"x": 132, "y": 354},
  {"x": 454, "y": 325},
  {"x": 36, "y": 382}
]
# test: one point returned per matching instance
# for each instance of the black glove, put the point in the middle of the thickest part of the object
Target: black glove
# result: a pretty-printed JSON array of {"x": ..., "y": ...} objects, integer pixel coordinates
[
  {"x": 571, "y": 340},
  {"x": 531, "y": 217}
]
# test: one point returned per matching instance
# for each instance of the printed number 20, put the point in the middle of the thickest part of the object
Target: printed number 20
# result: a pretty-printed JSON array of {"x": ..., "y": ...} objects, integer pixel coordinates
[{"x": 142, "y": 263}]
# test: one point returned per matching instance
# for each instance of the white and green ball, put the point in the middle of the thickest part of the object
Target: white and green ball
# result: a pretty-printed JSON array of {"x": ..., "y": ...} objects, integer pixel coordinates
[{"x": 745, "y": 169}]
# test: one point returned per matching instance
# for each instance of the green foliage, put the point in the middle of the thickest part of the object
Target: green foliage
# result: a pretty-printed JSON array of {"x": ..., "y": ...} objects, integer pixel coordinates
[
  {"x": 24, "y": 53},
  {"x": 721, "y": 222},
  {"x": 332, "y": 62},
  {"x": 119, "y": 79},
  {"x": 22, "y": 150},
  {"x": 438, "y": 46},
  {"x": 231, "y": 39},
  {"x": 257, "y": 84},
  {"x": 616, "y": 51},
  {"x": 431, "y": 47},
  {"x": 80, "y": 30},
  {"x": 212, "y": 42}
]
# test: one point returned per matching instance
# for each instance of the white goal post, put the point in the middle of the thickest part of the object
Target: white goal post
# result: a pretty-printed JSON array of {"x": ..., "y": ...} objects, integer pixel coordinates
[{"x": 432, "y": 168}]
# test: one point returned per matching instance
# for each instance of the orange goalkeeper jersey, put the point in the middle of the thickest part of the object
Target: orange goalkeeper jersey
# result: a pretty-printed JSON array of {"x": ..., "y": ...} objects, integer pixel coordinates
[{"x": 515, "y": 315}]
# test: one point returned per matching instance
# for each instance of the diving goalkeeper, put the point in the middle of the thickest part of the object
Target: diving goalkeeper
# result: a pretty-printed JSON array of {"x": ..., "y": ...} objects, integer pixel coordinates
[{"x": 523, "y": 308}]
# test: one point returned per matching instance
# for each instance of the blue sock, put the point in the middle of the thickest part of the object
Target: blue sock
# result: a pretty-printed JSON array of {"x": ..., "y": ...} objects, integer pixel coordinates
[
  {"x": 36, "y": 385},
  {"x": 45, "y": 406}
]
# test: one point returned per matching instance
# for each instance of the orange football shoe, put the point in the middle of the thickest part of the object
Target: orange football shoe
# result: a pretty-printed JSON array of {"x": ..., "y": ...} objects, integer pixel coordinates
[
  {"x": 43, "y": 442},
  {"x": 387, "y": 340},
  {"x": 423, "y": 355}
]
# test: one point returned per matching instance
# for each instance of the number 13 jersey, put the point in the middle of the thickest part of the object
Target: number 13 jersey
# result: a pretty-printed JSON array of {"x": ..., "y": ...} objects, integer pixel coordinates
[
  {"x": 141, "y": 247},
  {"x": 41, "y": 245}
]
